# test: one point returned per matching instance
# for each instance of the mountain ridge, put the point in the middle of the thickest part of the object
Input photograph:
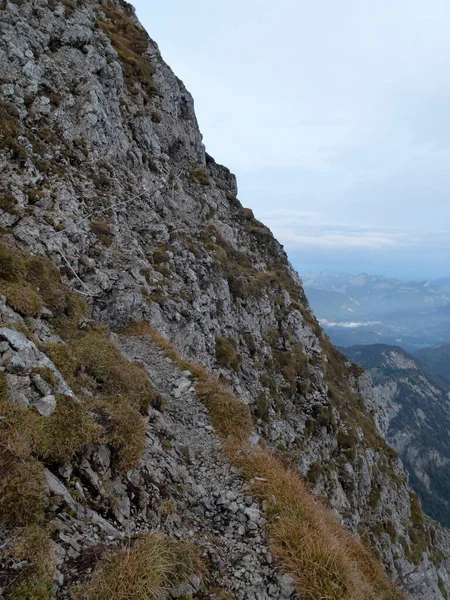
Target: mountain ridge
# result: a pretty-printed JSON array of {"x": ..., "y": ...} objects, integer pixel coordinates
[
  {"x": 437, "y": 358},
  {"x": 105, "y": 175}
]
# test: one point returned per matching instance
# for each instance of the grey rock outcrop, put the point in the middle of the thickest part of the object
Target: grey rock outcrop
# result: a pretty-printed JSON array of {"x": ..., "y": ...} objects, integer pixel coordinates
[{"x": 103, "y": 170}]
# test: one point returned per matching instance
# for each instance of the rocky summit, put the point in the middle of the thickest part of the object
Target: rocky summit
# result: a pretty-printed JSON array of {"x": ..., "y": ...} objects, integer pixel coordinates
[{"x": 173, "y": 420}]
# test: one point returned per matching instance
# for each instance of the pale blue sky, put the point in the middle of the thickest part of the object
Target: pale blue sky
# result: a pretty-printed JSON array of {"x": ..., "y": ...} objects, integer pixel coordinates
[{"x": 335, "y": 117}]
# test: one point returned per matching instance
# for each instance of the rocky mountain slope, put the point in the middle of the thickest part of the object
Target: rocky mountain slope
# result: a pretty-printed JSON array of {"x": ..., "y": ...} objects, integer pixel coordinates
[
  {"x": 437, "y": 358},
  {"x": 413, "y": 411},
  {"x": 120, "y": 451}
]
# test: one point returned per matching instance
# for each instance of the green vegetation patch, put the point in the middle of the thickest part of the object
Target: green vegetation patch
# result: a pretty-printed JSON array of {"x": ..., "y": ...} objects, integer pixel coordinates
[{"x": 226, "y": 353}]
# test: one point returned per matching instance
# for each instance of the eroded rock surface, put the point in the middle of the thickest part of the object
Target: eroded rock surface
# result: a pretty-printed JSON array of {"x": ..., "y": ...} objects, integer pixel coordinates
[{"x": 103, "y": 169}]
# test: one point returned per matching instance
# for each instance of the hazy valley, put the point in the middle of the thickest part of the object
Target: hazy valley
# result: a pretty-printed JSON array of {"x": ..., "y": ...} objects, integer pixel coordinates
[{"x": 367, "y": 309}]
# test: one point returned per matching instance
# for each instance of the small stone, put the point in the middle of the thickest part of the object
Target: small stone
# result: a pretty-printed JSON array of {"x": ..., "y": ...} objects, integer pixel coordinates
[
  {"x": 286, "y": 585},
  {"x": 181, "y": 385},
  {"x": 41, "y": 385},
  {"x": 252, "y": 514},
  {"x": 45, "y": 406},
  {"x": 79, "y": 489}
]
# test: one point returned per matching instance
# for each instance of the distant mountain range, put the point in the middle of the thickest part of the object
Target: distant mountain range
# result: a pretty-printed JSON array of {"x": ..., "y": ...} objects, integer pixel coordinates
[
  {"x": 436, "y": 358},
  {"x": 367, "y": 309},
  {"x": 414, "y": 403}
]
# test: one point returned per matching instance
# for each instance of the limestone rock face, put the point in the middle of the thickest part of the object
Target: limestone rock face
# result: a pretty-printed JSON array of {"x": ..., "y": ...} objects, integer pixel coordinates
[
  {"x": 103, "y": 170},
  {"x": 412, "y": 412}
]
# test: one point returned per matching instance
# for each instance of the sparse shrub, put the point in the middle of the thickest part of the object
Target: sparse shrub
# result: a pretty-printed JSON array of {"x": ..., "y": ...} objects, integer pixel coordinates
[
  {"x": 94, "y": 362},
  {"x": 102, "y": 230},
  {"x": 69, "y": 7},
  {"x": 347, "y": 442},
  {"x": 226, "y": 353},
  {"x": 124, "y": 430},
  {"x": 23, "y": 299},
  {"x": 314, "y": 472},
  {"x": 101, "y": 181},
  {"x": 47, "y": 374},
  {"x": 323, "y": 415},
  {"x": 146, "y": 569},
  {"x": 262, "y": 406},
  {"x": 12, "y": 264},
  {"x": 159, "y": 255},
  {"x": 34, "y": 196},
  {"x": 9, "y": 125},
  {"x": 374, "y": 496},
  {"x": 200, "y": 176},
  {"x": 8, "y": 203},
  {"x": 67, "y": 431},
  {"x": 33, "y": 544}
]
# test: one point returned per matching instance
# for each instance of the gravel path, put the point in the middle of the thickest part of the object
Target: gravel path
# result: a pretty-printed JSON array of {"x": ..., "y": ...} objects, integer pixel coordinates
[{"x": 219, "y": 514}]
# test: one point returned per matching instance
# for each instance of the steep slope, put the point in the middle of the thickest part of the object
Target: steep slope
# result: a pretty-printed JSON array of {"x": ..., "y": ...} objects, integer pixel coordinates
[
  {"x": 414, "y": 414},
  {"x": 437, "y": 358},
  {"x": 104, "y": 172}
]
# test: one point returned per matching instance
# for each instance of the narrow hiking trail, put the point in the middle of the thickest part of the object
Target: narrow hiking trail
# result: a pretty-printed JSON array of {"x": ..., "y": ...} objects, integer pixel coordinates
[{"x": 213, "y": 507}]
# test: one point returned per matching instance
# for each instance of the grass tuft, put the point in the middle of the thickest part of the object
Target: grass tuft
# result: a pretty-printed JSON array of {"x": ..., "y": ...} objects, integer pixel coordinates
[
  {"x": 67, "y": 431},
  {"x": 22, "y": 478},
  {"x": 124, "y": 430},
  {"x": 23, "y": 299},
  {"x": 93, "y": 362},
  {"x": 34, "y": 545},
  {"x": 146, "y": 569}
]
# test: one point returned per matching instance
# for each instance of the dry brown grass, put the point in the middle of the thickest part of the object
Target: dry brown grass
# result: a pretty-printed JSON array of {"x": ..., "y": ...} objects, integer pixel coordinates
[
  {"x": 22, "y": 298},
  {"x": 66, "y": 432},
  {"x": 324, "y": 559},
  {"x": 33, "y": 544},
  {"x": 22, "y": 478},
  {"x": 145, "y": 570},
  {"x": 230, "y": 417},
  {"x": 93, "y": 362},
  {"x": 142, "y": 328},
  {"x": 120, "y": 392},
  {"x": 124, "y": 430},
  {"x": 30, "y": 282},
  {"x": 22, "y": 489}
]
